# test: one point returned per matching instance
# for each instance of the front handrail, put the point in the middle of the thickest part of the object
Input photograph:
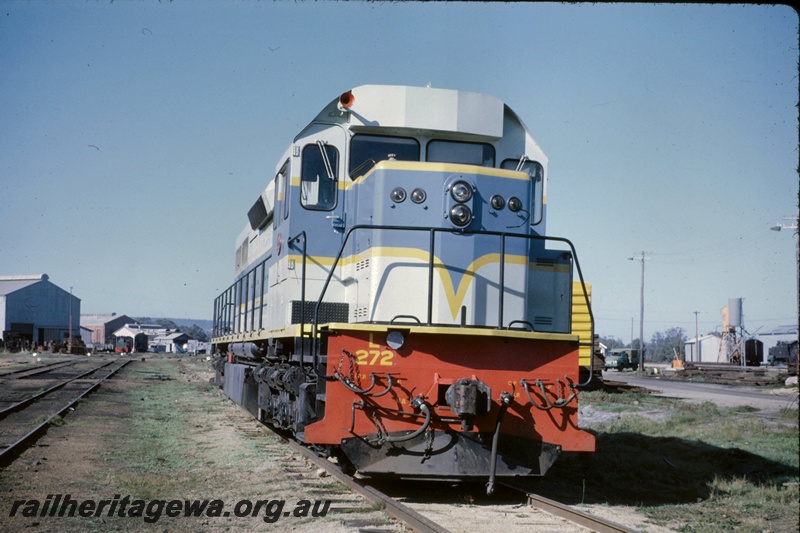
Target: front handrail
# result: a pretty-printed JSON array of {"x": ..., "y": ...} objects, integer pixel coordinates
[{"x": 432, "y": 231}]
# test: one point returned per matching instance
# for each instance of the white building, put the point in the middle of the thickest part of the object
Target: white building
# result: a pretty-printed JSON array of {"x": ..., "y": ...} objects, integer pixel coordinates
[
  {"x": 153, "y": 338},
  {"x": 702, "y": 350},
  {"x": 176, "y": 342}
]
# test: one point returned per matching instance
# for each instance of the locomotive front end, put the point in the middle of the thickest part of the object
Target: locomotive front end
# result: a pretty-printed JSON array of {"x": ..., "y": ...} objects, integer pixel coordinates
[
  {"x": 459, "y": 362},
  {"x": 414, "y": 317}
]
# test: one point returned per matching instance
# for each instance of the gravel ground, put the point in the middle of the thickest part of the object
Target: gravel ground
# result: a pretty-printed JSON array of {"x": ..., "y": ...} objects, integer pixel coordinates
[
  {"x": 122, "y": 441},
  {"x": 161, "y": 432}
]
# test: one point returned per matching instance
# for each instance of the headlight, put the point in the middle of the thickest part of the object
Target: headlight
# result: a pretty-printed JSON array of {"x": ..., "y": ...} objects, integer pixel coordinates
[
  {"x": 460, "y": 215},
  {"x": 497, "y": 202},
  {"x": 514, "y": 204},
  {"x": 395, "y": 339},
  {"x": 461, "y": 192},
  {"x": 398, "y": 194},
  {"x": 418, "y": 195}
]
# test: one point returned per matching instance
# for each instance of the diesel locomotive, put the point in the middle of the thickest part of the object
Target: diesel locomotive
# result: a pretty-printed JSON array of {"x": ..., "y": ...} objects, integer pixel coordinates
[{"x": 397, "y": 301}]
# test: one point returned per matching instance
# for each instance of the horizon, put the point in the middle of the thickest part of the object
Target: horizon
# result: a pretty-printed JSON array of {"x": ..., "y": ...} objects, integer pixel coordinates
[{"x": 136, "y": 136}]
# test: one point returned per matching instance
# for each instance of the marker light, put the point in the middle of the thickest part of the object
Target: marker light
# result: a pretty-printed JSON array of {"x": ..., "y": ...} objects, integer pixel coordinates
[
  {"x": 418, "y": 195},
  {"x": 460, "y": 215},
  {"x": 346, "y": 101},
  {"x": 461, "y": 191},
  {"x": 514, "y": 204},
  {"x": 398, "y": 194},
  {"x": 497, "y": 202}
]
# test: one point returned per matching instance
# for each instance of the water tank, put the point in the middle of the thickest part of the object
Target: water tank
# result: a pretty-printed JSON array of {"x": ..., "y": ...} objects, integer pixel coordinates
[{"x": 735, "y": 312}]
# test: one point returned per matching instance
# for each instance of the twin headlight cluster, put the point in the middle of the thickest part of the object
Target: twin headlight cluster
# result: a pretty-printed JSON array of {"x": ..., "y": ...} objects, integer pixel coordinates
[
  {"x": 461, "y": 192},
  {"x": 460, "y": 214}
]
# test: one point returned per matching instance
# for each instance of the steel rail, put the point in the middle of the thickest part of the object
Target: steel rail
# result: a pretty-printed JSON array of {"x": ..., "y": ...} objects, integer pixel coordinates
[
  {"x": 391, "y": 506},
  {"x": 9, "y": 452},
  {"x": 38, "y": 369},
  {"x": 35, "y": 397},
  {"x": 576, "y": 516}
]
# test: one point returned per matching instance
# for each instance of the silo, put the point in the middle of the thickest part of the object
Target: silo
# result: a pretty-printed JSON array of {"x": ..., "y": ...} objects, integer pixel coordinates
[{"x": 735, "y": 312}]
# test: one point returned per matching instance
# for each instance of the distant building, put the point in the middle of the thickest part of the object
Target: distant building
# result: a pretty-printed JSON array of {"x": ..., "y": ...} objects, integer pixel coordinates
[
  {"x": 86, "y": 335},
  {"x": 135, "y": 337},
  {"x": 35, "y": 311},
  {"x": 176, "y": 342},
  {"x": 152, "y": 338},
  {"x": 785, "y": 334},
  {"x": 103, "y": 326},
  {"x": 198, "y": 347},
  {"x": 702, "y": 350}
]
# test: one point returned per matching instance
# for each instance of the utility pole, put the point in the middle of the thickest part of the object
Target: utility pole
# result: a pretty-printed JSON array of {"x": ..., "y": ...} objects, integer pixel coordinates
[
  {"x": 69, "y": 342},
  {"x": 795, "y": 227},
  {"x": 696, "y": 338},
  {"x": 641, "y": 313},
  {"x": 631, "y": 332}
]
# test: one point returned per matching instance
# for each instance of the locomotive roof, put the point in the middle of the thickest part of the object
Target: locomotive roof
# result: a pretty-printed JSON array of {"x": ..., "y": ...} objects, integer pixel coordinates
[{"x": 420, "y": 108}]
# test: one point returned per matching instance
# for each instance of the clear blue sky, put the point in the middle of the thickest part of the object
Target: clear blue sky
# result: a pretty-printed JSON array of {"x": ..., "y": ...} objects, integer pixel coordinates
[{"x": 135, "y": 135}]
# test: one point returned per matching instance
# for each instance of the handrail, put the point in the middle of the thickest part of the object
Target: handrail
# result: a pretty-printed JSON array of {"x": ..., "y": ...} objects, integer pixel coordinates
[
  {"x": 290, "y": 243},
  {"x": 433, "y": 231},
  {"x": 314, "y": 333}
]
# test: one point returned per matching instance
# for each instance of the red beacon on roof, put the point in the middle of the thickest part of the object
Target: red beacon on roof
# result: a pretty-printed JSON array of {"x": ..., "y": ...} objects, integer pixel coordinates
[{"x": 346, "y": 101}]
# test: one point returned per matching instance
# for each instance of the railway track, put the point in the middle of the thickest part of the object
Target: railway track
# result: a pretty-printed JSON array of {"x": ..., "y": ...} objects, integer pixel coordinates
[
  {"x": 576, "y": 516},
  {"x": 27, "y": 371},
  {"x": 418, "y": 522},
  {"x": 392, "y": 507},
  {"x": 403, "y": 507},
  {"x": 27, "y": 417}
]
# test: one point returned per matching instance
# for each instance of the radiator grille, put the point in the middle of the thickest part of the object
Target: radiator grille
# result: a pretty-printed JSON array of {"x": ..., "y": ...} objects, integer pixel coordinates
[{"x": 328, "y": 312}]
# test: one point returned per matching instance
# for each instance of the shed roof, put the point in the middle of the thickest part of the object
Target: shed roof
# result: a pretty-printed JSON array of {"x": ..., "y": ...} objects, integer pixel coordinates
[
  {"x": 93, "y": 319},
  {"x": 9, "y": 284},
  {"x": 783, "y": 330},
  {"x": 703, "y": 338},
  {"x": 172, "y": 337}
]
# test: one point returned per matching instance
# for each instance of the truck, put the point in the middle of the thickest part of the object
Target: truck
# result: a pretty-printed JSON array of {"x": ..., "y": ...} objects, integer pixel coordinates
[{"x": 622, "y": 358}]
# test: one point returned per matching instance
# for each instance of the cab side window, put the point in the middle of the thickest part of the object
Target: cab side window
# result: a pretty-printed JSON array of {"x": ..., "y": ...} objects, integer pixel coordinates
[
  {"x": 281, "y": 198},
  {"x": 319, "y": 174}
]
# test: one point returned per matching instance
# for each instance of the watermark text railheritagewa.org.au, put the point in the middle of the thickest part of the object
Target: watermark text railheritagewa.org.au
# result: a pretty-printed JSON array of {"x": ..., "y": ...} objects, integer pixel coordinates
[{"x": 151, "y": 511}]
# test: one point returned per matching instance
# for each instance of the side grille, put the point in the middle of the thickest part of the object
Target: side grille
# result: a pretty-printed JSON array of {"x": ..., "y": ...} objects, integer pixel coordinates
[{"x": 328, "y": 312}]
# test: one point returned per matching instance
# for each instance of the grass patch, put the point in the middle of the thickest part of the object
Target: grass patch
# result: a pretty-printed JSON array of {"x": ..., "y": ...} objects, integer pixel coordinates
[
  {"x": 736, "y": 504},
  {"x": 693, "y": 467},
  {"x": 154, "y": 454}
]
